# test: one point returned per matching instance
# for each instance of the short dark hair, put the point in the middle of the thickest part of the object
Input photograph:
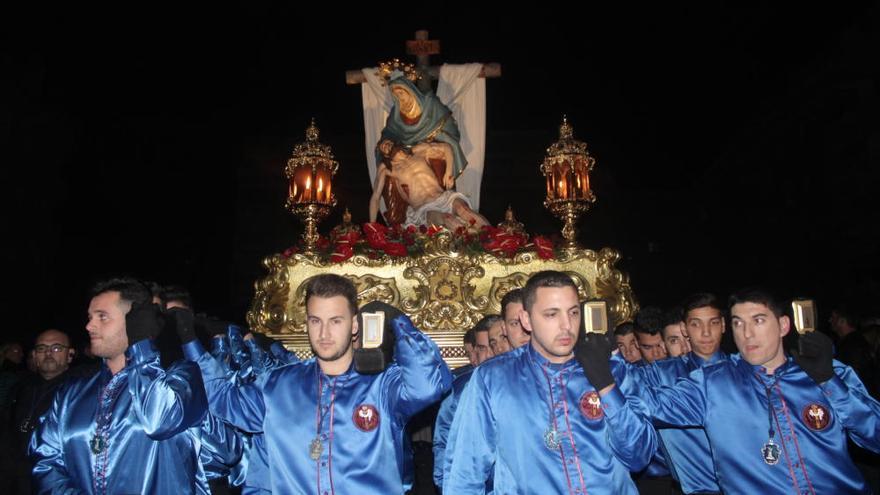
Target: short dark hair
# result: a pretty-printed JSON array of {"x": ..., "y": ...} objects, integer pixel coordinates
[
  {"x": 155, "y": 288},
  {"x": 546, "y": 278},
  {"x": 332, "y": 285},
  {"x": 848, "y": 313},
  {"x": 757, "y": 295},
  {"x": 469, "y": 337},
  {"x": 512, "y": 297},
  {"x": 701, "y": 300},
  {"x": 649, "y": 320},
  {"x": 624, "y": 328},
  {"x": 486, "y": 322},
  {"x": 129, "y": 289},
  {"x": 176, "y": 293},
  {"x": 673, "y": 316}
]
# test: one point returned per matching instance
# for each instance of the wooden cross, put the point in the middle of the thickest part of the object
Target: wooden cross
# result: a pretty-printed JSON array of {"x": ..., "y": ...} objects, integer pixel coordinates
[{"x": 423, "y": 48}]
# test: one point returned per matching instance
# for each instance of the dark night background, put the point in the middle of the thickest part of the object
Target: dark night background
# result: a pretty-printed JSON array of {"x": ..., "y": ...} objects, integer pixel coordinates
[{"x": 735, "y": 145}]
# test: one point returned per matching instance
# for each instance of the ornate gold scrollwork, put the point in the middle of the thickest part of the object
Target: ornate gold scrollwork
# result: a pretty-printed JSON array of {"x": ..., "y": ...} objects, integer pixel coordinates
[{"x": 444, "y": 291}]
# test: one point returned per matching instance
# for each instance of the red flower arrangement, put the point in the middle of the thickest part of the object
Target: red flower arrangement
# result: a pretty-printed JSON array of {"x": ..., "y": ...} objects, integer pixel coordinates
[{"x": 375, "y": 240}]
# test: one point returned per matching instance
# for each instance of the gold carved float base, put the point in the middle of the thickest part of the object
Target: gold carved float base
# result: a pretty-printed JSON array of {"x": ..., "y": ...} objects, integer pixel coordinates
[{"x": 443, "y": 291}]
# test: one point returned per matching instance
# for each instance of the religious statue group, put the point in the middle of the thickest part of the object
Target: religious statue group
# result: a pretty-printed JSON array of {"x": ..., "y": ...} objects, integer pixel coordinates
[{"x": 420, "y": 157}]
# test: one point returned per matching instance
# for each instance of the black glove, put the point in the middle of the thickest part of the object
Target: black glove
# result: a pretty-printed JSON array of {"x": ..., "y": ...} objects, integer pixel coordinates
[
  {"x": 210, "y": 326},
  {"x": 184, "y": 322},
  {"x": 143, "y": 321},
  {"x": 593, "y": 352},
  {"x": 262, "y": 340},
  {"x": 814, "y": 355},
  {"x": 372, "y": 361}
]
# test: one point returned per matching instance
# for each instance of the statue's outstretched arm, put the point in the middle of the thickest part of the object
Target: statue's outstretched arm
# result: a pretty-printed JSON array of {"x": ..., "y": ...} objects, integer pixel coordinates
[
  {"x": 381, "y": 174},
  {"x": 448, "y": 177}
]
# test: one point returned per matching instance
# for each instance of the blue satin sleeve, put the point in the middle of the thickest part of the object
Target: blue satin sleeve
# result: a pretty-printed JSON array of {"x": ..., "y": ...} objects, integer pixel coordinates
[
  {"x": 423, "y": 376},
  {"x": 631, "y": 435},
  {"x": 682, "y": 405},
  {"x": 220, "y": 349},
  {"x": 50, "y": 473},
  {"x": 282, "y": 355},
  {"x": 222, "y": 447},
  {"x": 166, "y": 403},
  {"x": 238, "y": 353},
  {"x": 857, "y": 410},
  {"x": 470, "y": 448},
  {"x": 443, "y": 422},
  {"x": 239, "y": 405},
  {"x": 260, "y": 359},
  {"x": 441, "y": 432}
]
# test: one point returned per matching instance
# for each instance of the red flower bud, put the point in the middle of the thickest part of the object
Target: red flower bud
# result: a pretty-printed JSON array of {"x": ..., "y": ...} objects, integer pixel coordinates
[
  {"x": 341, "y": 253},
  {"x": 394, "y": 249}
]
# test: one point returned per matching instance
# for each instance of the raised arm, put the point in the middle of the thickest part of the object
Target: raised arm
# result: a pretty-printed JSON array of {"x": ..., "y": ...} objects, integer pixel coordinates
[
  {"x": 631, "y": 435},
  {"x": 165, "y": 402},
  {"x": 857, "y": 411},
  {"x": 421, "y": 376},
  {"x": 239, "y": 405}
]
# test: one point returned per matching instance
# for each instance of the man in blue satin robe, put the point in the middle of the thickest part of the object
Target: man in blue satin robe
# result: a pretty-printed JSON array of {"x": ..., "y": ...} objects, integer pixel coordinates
[
  {"x": 328, "y": 428},
  {"x": 545, "y": 418},
  {"x": 686, "y": 450},
  {"x": 776, "y": 423},
  {"x": 450, "y": 403},
  {"x": 133, "y": 427}
]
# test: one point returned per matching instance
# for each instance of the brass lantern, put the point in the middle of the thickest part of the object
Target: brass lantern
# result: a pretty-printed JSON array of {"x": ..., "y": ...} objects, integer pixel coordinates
[
  {"x": 567, "y": 167},
  {"x": 310, "y": 174}
]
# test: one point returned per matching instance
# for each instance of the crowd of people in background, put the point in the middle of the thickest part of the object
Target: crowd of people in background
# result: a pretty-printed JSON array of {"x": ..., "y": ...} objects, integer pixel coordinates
[{"x": 161, "y": 399}]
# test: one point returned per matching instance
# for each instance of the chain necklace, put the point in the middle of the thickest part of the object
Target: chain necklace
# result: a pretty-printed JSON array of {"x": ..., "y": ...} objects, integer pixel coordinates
[
  {"x": 770, "y": 450},
  {"x": 316, "y": 446}
]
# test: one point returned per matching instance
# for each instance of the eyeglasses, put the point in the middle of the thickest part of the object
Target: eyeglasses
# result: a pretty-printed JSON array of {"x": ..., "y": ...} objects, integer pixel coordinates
[{"x": 54, "y": 348}]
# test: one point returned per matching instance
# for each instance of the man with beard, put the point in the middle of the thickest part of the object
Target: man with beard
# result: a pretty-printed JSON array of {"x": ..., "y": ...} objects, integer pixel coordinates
[
  {"x": 329, "y": 428},
  {"x": 130, "y": 427},
  {"x": 546, "y": 417},
  {"x": 52, "y": 355}
]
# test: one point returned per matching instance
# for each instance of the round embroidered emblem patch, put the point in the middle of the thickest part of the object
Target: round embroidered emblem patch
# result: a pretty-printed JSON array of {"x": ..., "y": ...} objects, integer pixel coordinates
[
  {"x": 816, "y": 416},
  {"x": 591, "y": 405},
  {"x": 366, "y": 417}
]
